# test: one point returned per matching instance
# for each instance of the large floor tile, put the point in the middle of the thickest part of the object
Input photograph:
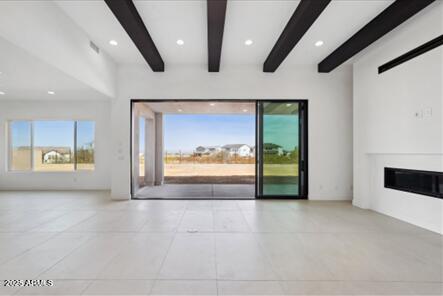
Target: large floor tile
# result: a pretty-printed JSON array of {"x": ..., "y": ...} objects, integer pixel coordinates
[
  {"x": 102, "y": 221},
  {"x": 225, "y": 205},
  {"x": 184, "y": 287},
  {"x": 292, "y": 259},
  {"x": 162, "y": 221},
  {"x": 31, "y": 220},
  {"x": 87, "y": 261},
  {"x": 191, "y": 256},
  {"x": 390, "y": 288},
  {"x": 387, "y": 257},
  {"x": 112, "y": 221},
  {"x": 230, "y": 221},
  {"x": 264, "y": 205},
  {"x": 64, "y": 222},
  {"x": 200, "y": 205},
  {"x": 264, "y": 221},
  {"x": 141, "y": 258},
  {"x": 37, "y": 260},
  {"x": 155, "y": 206},
  {"x": 13, "y": 244},
  {"x": 240, "y": 257},
  {"x": 119, "y": 287},
  {"x": 60, "y": 287},
  {"x": 249, "y": 288},
  {"x": 197, "y": 220},
  {"x": 8, "y": 290},
  {"x": 313, "y": 288}
]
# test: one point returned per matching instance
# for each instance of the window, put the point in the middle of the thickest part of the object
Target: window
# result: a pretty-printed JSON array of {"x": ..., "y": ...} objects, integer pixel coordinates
[
  {"x": 53, "y": 145},
  {"x": 45, "y": 146},
  {"x": 20, "y": 149},
  {"x": 85, "y": 145}
]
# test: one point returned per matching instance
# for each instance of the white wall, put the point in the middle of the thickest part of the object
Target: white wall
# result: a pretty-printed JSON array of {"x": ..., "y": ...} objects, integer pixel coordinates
[
  {"x": 398, "y": 120},
  {"x": 330, "y": 113},
  {"x": 87, "y": 110},
  {"x": 46, "y": 32}
]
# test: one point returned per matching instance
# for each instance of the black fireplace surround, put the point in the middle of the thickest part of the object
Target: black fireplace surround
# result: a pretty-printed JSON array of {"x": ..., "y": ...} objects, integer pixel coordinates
[{"x": 421, "y": 182}]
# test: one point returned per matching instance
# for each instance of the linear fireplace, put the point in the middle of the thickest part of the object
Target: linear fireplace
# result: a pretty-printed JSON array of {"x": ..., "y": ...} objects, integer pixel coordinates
[{"x": 421, "y": 182}]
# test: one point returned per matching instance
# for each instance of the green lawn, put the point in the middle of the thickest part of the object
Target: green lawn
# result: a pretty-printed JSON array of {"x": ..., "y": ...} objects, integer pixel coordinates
[{"x": 280, "y": 170}]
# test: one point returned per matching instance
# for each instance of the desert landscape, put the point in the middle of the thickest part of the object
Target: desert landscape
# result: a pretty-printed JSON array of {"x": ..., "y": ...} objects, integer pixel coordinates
[
  {"x": 22, "y": 162},
  {"x": 187, "y": 172}
]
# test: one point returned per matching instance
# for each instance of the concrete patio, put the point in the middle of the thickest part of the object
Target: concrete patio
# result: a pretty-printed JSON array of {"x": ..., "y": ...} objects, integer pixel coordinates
[{"x": 198, "y": 191}]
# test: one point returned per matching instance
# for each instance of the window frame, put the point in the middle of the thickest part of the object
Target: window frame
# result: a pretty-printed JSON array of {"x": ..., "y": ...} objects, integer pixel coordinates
[
  {"x": 10, "y": 146},
  {"x": 32, "y": 169}
]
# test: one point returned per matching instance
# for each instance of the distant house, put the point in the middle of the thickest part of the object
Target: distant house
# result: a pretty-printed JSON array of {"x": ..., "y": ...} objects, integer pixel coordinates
[
  {"x": 208, "y": 150},
  {"x": 242, "y": 150},
  {"x": 56, "y": 156},
  {"x": 271, "y": 148},
  {"x": 200, "y": 150}
]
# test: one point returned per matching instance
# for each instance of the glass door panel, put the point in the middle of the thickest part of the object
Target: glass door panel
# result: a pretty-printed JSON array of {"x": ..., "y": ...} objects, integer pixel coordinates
[{"x": 280, "y": 138}]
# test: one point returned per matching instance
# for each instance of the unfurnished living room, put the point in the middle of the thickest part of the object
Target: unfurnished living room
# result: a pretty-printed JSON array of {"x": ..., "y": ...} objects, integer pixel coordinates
[{"x": 221, "y": 147}]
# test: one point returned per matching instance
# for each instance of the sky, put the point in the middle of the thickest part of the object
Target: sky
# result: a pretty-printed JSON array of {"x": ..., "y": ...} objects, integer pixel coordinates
[
  {"x": 52, "y": 133},
  {"x": 185, "y": 132}
]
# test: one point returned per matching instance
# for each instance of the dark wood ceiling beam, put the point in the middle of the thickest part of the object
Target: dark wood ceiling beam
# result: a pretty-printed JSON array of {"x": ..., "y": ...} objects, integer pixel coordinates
[
  {"x": 387, "y": 20},
  {"x": 304, "y": 16},
  {"x": 216, "y": 10},
  {"x": 126, "y": 13}
]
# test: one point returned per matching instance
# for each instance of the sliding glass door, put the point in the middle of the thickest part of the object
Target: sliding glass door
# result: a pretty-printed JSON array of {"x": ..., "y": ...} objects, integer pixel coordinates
[{"x": 282, "y": 149}]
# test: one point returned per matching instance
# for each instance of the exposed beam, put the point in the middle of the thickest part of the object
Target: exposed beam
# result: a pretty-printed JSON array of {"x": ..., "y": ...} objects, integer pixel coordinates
[
  {"x": 126, "y": 13},
  {"x": 216, "y": 24},
  {"x": 304, "y": 16},
  {"x": 387, "y": 20},
  {"x": 430, "y": 45}
]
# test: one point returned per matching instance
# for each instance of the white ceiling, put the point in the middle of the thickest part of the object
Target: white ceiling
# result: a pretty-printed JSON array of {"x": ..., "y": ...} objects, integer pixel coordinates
[
  {"x": 23, "y": 76},
  {"x": 259, "y": 20}
]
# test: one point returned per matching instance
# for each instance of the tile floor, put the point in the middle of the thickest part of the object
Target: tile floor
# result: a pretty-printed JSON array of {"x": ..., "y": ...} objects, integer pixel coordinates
[{"x": 90, "y": 245}]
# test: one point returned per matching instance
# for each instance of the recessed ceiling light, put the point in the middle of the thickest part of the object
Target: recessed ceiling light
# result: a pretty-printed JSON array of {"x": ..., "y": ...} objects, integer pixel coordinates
[
  {"x": 211, "y": 104},
  {"x": 248, "y": 42},
  {"x": 245, "y": 110},
  {"x": 180, "y": 42},
  {"x": 319, "y": 43},
  {"x": 2, "y": 93},
  {"x": 180, "y": 110},
  {"x": 113, "y": 43},
  {"x": 288, "y": 105},
  {"x": 50, "y": 92}
]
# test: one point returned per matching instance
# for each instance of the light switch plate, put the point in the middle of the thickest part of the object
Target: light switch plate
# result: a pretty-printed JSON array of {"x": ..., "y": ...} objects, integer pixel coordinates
[{"x": 428, "y": 112}]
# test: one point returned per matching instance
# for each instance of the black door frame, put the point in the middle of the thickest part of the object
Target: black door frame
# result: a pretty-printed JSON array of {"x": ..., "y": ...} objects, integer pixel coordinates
[
  {"x": 303, "y": 140},
  {"x": 303, "y": 152}
]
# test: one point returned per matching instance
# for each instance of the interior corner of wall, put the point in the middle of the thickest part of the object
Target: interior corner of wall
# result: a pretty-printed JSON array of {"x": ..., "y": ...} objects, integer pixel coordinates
[{"x": 119, "y": 196}]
